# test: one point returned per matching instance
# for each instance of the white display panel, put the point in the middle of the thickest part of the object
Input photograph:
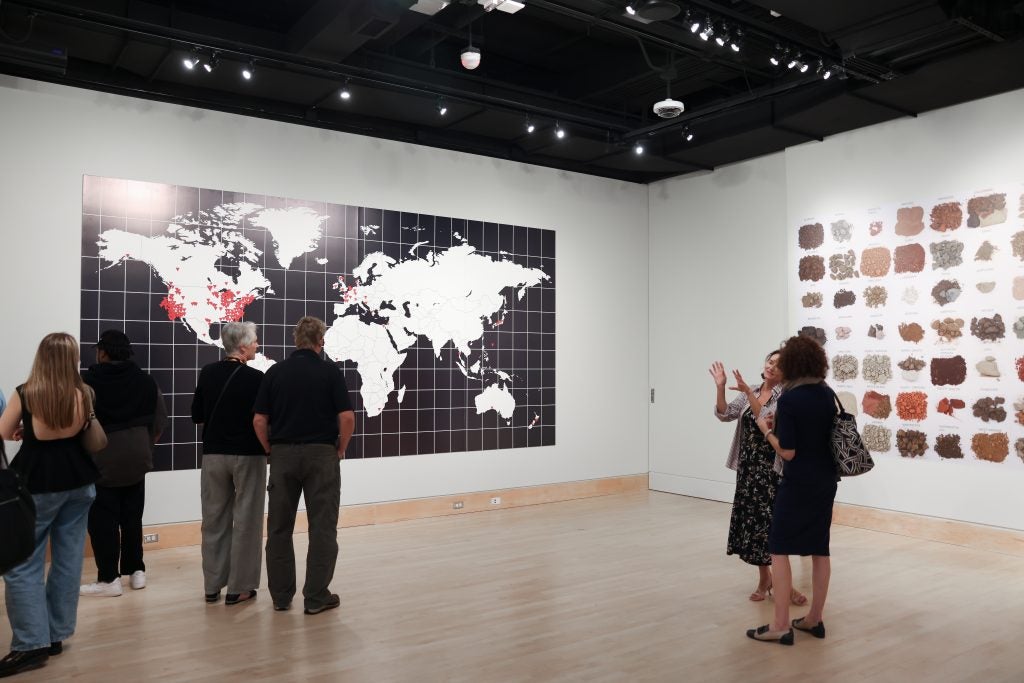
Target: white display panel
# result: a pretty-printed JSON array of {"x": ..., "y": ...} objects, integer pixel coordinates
[{"x": 933, "y": 283}]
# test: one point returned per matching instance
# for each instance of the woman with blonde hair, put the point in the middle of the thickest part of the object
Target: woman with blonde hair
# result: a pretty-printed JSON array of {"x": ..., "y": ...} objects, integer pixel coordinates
[{"x": 49, "y": 412}]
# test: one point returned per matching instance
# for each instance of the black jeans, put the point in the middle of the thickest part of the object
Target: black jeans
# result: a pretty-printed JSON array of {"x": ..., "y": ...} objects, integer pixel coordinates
[
  {"x": 115, "y": 529},
  {"x": 311, "y": 470}
]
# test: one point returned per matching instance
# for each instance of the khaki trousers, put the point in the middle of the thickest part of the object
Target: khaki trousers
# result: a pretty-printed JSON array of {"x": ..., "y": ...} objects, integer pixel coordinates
[{"x": 232, "y": 490}]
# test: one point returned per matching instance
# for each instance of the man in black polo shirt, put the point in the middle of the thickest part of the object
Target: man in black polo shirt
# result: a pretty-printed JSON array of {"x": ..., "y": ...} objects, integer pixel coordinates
[{"x": 304, "y": 419}]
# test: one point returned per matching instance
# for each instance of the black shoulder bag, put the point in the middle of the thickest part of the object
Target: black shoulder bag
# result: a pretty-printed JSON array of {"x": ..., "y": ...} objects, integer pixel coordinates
[{"x": 17, "y": 518}]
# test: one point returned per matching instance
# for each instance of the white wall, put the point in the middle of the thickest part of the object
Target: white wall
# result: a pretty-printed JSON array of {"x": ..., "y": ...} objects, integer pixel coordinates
[
  {"x": 718, "y": 285},
  {"x": 52, "y": 135},
  {"x": 713, "y": 296}
]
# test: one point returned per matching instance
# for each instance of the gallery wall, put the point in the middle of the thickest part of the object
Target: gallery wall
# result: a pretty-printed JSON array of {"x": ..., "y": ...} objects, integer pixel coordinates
[
  {"x": 54, "y": 135},
  {"x": 957, "y": 151},
  {"x": 718, "y": 287}
]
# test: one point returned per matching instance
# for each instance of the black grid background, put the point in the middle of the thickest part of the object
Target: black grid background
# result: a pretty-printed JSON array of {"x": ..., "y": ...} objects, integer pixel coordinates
[{"x": 437, "y": 414}]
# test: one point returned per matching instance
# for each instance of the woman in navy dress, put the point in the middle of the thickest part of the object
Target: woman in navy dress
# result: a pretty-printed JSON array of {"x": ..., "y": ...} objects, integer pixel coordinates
[{"x": 801, "y": 435}]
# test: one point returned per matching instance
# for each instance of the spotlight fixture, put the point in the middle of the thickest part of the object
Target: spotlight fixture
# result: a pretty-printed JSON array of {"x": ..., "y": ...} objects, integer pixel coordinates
[
  {"x": 778, "y": 56},
  {"x": 709, "y": 30},
  {"x": 722, "y": 38},
  {"x": 793, "y": 62},
  {"x": 687, "y": 134},
  {"x": 192, "y": 60},
  {"x": 211, "y": 63},
  {"x": 559, "y": 131},
  {"x": 248, "y": 70},
  {"x": 803, "y": 67},
  {"x": 630, "y": 10},
  {"x": 638, "y": 148},
  {"x": 442, "y": 108},
  {"x": 825, "y": 71},
  {"x": 529, "y": 125},
  {"x": 736, "y": 40},
  {"x": 345, "y": 93},
  {"x": 695, "y": 26}
]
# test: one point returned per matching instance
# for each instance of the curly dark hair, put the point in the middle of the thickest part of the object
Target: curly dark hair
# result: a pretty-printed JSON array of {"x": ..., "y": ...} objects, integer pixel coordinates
[{"x": 802, "y": 357}]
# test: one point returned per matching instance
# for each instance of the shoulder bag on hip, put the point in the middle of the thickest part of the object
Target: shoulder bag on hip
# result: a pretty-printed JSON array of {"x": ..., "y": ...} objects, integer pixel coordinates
[
  {"x": 92, "y": 437},
  {"x": 848, "y": 450}
]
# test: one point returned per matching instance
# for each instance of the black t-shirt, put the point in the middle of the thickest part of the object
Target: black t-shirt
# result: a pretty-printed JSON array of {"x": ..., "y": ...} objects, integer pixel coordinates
[
  {"x": 302, "y": 397},
  {"x": 230, "y": 431},
  {"x": 803, "y": 422}
]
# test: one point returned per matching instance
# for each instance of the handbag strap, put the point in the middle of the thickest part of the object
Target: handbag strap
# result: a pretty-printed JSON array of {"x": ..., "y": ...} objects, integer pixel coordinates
[
  {"x": 839, "y": 404},
  {"x": 216, "y": 405}
]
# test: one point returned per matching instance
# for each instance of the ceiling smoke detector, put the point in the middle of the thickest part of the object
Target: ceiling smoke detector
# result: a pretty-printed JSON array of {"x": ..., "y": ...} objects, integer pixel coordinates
[{"x": 668, "y": 108}]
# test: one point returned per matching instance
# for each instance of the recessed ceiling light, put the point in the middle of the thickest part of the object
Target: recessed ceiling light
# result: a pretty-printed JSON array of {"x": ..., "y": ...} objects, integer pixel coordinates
[
  {"x": 249, "y": 70},
  {"x": 638, "y": 148}
]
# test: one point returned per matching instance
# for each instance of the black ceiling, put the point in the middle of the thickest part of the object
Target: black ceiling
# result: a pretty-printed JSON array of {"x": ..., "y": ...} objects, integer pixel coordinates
[{"x": 583, "y": 65}]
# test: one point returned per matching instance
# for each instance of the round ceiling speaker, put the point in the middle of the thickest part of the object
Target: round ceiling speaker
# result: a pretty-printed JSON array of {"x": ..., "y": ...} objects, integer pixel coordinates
[{"x": 657, "y": 10}]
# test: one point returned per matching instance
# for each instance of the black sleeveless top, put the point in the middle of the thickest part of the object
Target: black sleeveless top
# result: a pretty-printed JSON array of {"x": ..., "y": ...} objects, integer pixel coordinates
[{"x": 51, "y": 465}]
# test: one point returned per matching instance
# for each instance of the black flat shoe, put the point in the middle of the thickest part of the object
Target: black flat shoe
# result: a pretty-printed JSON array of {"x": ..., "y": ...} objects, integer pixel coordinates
[
  {"x": 213, "y": 597},
  {"x": 56, "y": 648},
  {"x": 235, "y": 598},
  {"x": 332, "y": 603},
  {"x": 16, "y": 662},
  {"x": 818, "y": 630},
  {"x": 283, "y": 607},
  {"x": 766, "y": 635}
]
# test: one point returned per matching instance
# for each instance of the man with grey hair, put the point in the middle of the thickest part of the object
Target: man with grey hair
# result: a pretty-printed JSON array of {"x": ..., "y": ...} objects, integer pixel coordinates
[
  {"x": 234, "y": 471},
  {"x": 305, "y": 419}
]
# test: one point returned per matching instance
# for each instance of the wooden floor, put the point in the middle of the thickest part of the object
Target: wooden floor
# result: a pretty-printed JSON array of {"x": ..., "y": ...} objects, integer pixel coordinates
[{"x": 633, "y": 587}]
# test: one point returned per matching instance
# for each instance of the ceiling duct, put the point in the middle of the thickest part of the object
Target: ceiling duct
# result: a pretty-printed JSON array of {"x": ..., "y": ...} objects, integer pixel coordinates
[
  {"x": 657, "y": 10},
  {"x": 51, "y": 60}
]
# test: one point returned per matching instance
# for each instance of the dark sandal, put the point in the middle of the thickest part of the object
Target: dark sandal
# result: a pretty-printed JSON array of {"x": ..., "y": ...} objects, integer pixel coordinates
[
  {"x": 818, "y": 630},
  {"x": 766, "y": 635},
  {"x": 213, "y": 597},
  {"x": 235, "y": 598}
]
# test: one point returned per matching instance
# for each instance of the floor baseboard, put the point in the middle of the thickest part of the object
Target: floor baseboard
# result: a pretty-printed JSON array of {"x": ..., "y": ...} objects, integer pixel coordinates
[{"x": 190, "y": 533}]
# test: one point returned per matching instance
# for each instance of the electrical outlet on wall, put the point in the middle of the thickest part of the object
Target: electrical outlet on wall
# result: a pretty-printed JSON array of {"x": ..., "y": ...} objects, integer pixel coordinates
[
  {"x": 150, "y": 538},
  {"x": 457, "y": 505},
  {"x": 496, "y": 500}
]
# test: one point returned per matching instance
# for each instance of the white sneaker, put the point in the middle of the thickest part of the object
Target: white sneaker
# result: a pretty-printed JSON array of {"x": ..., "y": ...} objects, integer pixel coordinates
[
  {"x": 138, "y": 580},
  {"x": 102, "y": 590}
]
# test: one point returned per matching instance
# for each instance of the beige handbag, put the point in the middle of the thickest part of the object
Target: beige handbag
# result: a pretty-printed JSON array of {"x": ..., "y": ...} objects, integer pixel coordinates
[{"x": 92, "y": 437}]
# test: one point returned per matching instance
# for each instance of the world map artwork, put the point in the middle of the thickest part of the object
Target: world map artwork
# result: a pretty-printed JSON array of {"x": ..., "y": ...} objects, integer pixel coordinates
[{"x": 444, "y": 328}]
